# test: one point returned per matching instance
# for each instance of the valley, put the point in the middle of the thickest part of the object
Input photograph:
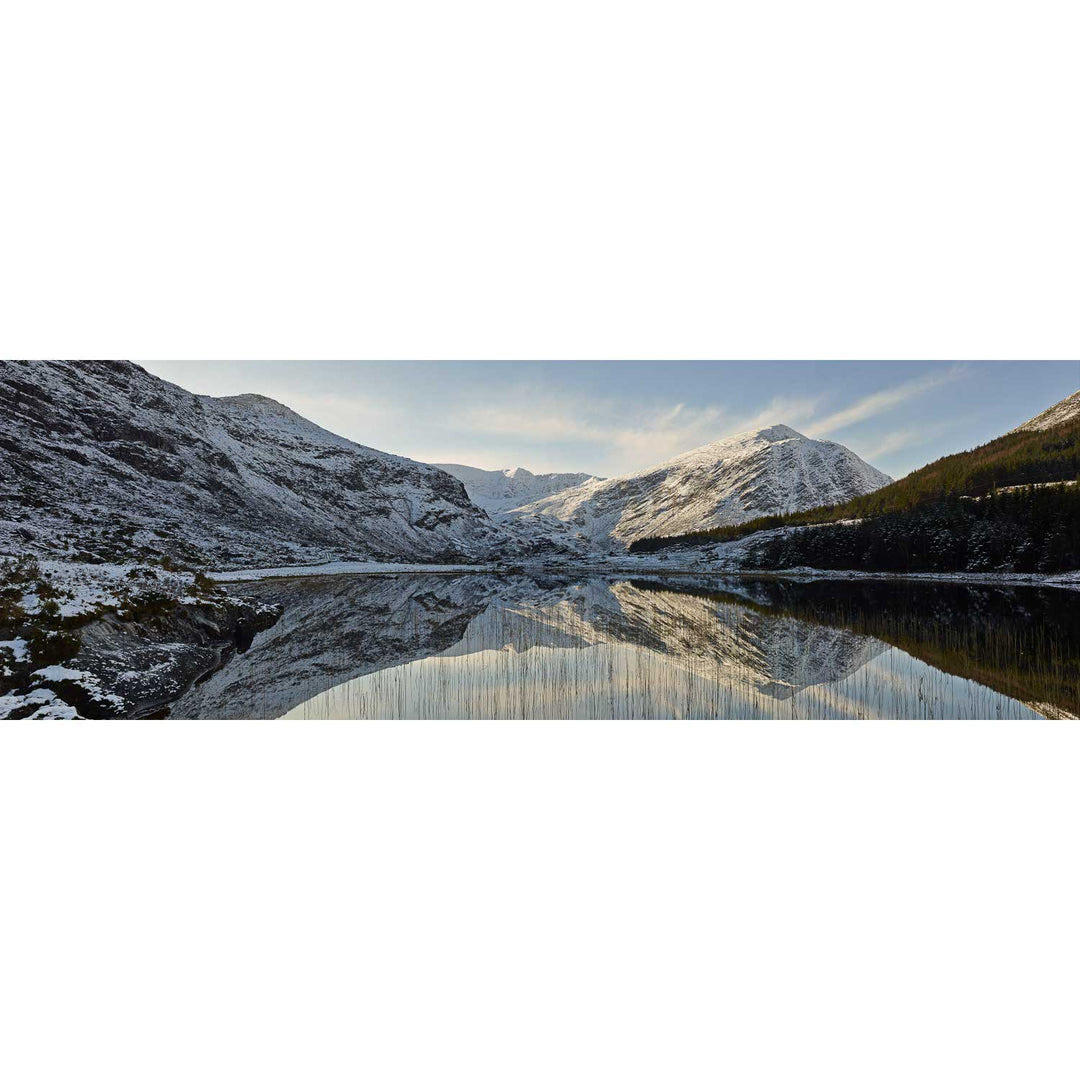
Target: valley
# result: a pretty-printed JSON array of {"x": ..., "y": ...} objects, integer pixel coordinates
[{"x": 141, "y": 526}]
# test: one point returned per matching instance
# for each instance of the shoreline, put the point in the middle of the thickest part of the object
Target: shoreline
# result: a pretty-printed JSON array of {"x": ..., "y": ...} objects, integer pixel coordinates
[
  {"x": 333, "y": 569},
  {"x": 1070, "y": 580}
]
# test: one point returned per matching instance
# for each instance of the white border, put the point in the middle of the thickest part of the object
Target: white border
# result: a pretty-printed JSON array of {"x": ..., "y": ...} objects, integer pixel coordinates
[
  {"x": 586, "y": 179},
  {"x": 566, "y": 180},
  {"x": 531, "y": 900}
]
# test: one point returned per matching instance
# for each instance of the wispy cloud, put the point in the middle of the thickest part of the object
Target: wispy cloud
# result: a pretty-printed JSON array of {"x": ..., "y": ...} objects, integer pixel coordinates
[
  {"x": 551, "y": 419},
  {"x": 781, "y": 410},
  {"x": 633, "y": 438},
  {"x": 630, "y": 438},
  {"x": 900, "y": 439},
  {"x": 893, "y": 441},
  {"x": 884, "y": 400},
  {"x": 608, "y": 434}
]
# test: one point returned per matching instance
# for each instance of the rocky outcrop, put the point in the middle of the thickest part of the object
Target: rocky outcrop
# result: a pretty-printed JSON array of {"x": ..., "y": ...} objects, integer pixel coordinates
[{"x": 131, "y": 662}]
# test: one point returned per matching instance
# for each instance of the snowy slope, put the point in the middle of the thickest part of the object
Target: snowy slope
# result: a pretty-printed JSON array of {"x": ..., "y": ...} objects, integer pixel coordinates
[
  {"x": 1065, "y": 410},
  {"x": 770, "y": 471},
  {"x": 499, "y": 490},
  {"x": 101, "y": 460}
]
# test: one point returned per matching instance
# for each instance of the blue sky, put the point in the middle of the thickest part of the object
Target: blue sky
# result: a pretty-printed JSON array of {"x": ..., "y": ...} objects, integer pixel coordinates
[{"x": 610, "y": 417}]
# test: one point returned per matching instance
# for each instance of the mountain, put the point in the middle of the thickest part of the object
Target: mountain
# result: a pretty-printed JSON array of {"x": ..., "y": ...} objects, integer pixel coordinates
[
  {"x": 1064, "y": 412},
  {"x": 770, "y": 471},
  {"x": 1010, "y": 505},
  {"x": 499, "y": 490},
  {"x": 101, "y": 461},
  {"x": 1045, "y": 450}
]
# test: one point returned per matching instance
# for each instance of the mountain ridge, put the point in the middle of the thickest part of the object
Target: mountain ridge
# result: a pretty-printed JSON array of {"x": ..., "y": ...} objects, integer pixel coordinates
[
  {"x": 500, "y": 490},
  {"x": 723, "y": 482}
]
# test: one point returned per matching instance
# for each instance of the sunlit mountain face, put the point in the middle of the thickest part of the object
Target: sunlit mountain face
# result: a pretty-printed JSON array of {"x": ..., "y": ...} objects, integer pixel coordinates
[{"x": 770, "y": 470}]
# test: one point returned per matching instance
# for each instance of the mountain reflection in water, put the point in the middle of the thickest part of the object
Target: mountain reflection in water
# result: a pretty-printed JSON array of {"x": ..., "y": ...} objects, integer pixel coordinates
[{"x": 477, "y": 646}]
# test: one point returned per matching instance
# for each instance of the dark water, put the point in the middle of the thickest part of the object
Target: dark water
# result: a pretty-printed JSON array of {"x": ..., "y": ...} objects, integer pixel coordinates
[{"x": 435, "y": 646}]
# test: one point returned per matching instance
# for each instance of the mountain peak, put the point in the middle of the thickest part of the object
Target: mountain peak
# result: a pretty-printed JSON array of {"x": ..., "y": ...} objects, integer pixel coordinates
[
  {"x": 777, "y": 433},
  {"x": 500, "y": 490},
  {"x": 769, "y": 470},
  {"x": 774, "y": 433}
]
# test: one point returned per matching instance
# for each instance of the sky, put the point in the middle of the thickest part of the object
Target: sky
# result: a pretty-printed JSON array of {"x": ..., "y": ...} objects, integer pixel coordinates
[{"x": 613, "y": 417}]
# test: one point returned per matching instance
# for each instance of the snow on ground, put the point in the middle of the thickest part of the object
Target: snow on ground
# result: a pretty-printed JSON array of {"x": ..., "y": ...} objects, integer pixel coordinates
[
  {"x": 350, "y": 568},
  {"x": 808, "y": 573},
  {"x": 46, "y": 706},
  {"x": 17, "y": 648},
  {"x": 662, "y": 563},
  {"x": 1051, "y": 711},
  {"x": 82, "y": 588},
  {"x": 1022, "y": 487},
  {"x": 56, "y": 673},
  {"x": 657, "y": 565},
  {"x": 91, "y": 634}
]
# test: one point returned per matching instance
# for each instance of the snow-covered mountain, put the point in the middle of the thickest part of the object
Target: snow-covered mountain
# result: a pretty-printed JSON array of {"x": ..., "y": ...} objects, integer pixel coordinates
[
  {"x": 1064, "y": 411},
  {"x": 499, "y": 490},
  {"x": 100, "y": 460},
  {"x": 770, "y": 471}
]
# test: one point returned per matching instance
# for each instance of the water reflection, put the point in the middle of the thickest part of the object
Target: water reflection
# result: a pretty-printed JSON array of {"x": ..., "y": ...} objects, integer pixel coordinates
[{"x": 476, "y": 646}]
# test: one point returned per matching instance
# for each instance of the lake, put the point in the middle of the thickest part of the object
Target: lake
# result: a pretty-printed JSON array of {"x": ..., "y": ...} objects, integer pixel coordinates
[{"x": 559, "y": 646}]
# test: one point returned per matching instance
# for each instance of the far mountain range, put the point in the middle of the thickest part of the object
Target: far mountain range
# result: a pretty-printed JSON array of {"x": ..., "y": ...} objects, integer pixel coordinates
[
  {"x": 104, "y": 461},
  {"x": 772, "y": 470}
]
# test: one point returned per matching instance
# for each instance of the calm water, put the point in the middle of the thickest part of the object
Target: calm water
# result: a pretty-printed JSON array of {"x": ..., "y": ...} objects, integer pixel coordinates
[{"x": 433, "y": 646}]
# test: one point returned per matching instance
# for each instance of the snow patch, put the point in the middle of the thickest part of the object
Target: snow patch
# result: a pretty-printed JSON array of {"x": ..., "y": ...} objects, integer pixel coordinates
[
  {"x": 55, "y": 673},
  {"x": 47, "y": 706},
  {"x": 18, "y": 649}
]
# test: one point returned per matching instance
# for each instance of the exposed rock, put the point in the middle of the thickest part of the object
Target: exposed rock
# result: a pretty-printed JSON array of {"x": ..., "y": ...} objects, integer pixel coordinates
[{"x": 101, "y": 459}]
